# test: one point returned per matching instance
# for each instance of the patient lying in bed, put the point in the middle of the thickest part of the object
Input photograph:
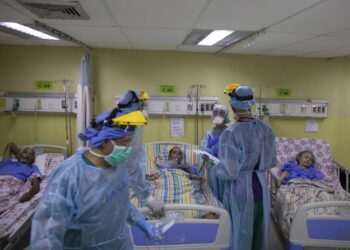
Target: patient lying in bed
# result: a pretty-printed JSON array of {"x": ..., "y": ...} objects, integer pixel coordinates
[
  {"x": 304, "y": 168},
  {"x": 175, "y": 161},
  {"x": 19, "y": 180},
  {"x": 305, "y": 184},
  {"x": 175, "y": 182}
]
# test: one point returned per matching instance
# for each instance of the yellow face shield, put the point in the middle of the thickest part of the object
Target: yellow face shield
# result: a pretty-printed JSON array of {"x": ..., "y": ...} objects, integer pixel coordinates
[
  {"x": 144, "y": 96},
  {"x": 230, "y": 87},
  {"x": 135, "y": 118}
]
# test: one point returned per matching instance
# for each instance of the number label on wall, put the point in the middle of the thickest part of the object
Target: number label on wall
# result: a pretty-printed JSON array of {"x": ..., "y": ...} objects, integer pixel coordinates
[
  {"x": 284, "y": 92},
  {"x": 44, "y": 85},
  {"x": 167, "y": 89}
]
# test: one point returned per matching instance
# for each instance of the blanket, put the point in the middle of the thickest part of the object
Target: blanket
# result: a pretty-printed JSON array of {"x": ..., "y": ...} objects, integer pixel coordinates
[
  {"x": 302, "y": 191},
  {"x": 175, "y": 186},
  {"x": 11, "y": 189}
]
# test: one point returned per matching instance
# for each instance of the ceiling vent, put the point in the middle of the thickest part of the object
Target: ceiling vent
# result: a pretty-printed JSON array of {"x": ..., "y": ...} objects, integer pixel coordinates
[{"x": 67, "y": 10}]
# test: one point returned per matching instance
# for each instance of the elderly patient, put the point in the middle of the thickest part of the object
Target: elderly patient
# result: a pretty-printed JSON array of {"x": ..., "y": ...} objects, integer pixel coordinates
[
  {"x": 304, "y": 167},
  {"x": 175, "y": 161},
  {"x": 23, "y": 170}
]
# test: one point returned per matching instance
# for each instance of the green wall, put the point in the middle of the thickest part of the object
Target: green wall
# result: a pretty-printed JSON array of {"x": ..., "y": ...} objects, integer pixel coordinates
[{"x": 114, "y": 71}]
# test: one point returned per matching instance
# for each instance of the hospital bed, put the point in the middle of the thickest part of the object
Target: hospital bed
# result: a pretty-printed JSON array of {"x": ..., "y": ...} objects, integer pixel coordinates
[
  {"x": 187, "y": 194},
  {"x": 306, "y": 217},
  {"x": 16, "y": 221}
]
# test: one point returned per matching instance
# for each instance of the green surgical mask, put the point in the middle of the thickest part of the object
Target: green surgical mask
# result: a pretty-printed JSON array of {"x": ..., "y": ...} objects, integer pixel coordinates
[{"x": 119, "y": 154}]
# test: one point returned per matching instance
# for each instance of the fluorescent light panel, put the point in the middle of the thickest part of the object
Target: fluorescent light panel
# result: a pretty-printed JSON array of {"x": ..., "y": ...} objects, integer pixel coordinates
[
  {"x": 27, "y": 30},
  {"x": 214, "y": 37}
]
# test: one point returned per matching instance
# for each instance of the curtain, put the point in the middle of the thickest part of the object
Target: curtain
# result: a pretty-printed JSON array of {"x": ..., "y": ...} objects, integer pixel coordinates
[{"x": 84, "y": 98}]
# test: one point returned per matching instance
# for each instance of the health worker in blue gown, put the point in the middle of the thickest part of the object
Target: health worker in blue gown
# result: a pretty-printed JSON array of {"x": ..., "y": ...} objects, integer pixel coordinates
[
  {"x": 132, "y": 101},
  {"x": 86, "y": 204},
  {"x": 210, "y": 144},
  {"x": 246, "y": 152}
]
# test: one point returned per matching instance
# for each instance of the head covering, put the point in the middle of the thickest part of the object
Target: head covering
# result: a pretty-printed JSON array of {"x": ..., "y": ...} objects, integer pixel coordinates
[
  {"x": 220, "y": 110},
  {"x": 132, "y": 100},
  {"x": 242, "y": 98},
  {"x": 101, "y": 129}
]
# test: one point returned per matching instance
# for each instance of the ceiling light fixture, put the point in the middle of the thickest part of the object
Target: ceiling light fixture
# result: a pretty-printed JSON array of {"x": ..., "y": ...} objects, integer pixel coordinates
[
  {"x": 24, "y": 29},
  {"x": 214, "y": 37},
  {"x": 60, "y": 34},
  {"x": 197, "y": 36},
  {"x": 245, "y": 42}
]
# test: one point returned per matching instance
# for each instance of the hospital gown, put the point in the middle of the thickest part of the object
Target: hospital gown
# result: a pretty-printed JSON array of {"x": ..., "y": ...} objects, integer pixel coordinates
[
  {"x": 84, "y": 207},
  {"x": 243, "y": 147},
  {"x": 295, "y": 171}
]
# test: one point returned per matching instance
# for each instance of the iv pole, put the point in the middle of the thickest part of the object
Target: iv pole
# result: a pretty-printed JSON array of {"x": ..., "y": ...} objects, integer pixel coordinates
[
  {"x": 196, "y": 118},
  {"x": 67, "y": 118}
]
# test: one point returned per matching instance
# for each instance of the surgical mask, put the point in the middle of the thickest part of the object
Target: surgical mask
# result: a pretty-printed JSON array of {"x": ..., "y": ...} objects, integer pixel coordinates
[
  {"x": 218, "y": 120},
  {"x": 119, "y": 154}
]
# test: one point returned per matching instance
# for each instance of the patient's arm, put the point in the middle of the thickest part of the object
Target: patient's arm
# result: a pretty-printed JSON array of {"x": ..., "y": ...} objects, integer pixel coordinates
[
  {"x": 33, "y": 191},
  {"x": 10, "y": 149},
  {"x": 283, "y": 175}
]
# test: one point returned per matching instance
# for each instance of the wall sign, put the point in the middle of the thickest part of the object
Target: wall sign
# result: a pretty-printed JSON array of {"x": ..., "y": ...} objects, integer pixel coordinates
[
  {"x": 284, "y": 92},
  {"x": 44, "y": 85},
  {"x": 167, "y": 89}
]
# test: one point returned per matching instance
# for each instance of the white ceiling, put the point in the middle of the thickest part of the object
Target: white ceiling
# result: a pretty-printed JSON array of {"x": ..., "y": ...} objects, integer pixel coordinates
[{"x": 306, "y": 28}]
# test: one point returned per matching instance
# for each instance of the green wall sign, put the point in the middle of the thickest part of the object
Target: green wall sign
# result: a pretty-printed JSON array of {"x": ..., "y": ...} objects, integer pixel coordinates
[
  {"x": 284, "y": 92},
  {"x": 167, "y": 89},
  {"x": 44, "y": 85}
]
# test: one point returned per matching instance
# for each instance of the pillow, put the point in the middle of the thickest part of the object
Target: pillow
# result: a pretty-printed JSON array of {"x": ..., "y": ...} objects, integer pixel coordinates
[{"x": 40, "y": 161}]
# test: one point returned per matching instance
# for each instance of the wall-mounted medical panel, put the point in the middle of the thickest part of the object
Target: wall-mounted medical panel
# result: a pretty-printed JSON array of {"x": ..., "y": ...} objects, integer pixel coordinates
[
  {"x": 292, "y": 108},
  {"x": 179, "y": 105},
  {"x": 37, "y": 102}
]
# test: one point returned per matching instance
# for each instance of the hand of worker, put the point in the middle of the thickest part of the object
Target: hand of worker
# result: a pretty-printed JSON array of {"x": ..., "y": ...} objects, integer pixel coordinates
[
  {"x": 156, "y": 207},
  {"x": 213, "y": 141},
  {"x": 148, "y": 229}
]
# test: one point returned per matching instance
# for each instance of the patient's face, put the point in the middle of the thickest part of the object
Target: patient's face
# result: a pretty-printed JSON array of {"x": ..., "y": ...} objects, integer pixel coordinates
[
  {"x": 175, "y": 154},
  {"x": 306, "y": 160},
  {"x": 26, "y": 156}
]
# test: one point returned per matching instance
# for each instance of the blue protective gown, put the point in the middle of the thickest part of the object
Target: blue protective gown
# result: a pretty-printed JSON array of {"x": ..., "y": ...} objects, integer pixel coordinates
[
  {"x": 210, "y": 144},
  {"x": 243, "y": 147},
  {"x": 84, "y": 207}
]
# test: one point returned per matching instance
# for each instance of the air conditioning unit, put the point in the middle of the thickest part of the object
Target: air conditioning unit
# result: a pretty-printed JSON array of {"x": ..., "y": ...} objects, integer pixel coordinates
[{"x": 66, "y": 10}]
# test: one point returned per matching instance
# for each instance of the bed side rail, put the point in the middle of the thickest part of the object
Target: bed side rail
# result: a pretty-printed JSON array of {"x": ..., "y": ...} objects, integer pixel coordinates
[
  {"x": 223, "y": 233},
  {"x": 321, "y": 230},
  {"x": 49, "y": 147},
  {"x": 341, "y": 170}
]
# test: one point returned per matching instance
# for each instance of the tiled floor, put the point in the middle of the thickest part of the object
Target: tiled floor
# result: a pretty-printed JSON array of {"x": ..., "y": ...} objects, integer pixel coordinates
[{"x": 276, "y": 242}]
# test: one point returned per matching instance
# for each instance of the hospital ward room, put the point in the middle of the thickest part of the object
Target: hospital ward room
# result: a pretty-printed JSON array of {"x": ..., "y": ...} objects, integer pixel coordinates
[{"x": 188, "y": 124}]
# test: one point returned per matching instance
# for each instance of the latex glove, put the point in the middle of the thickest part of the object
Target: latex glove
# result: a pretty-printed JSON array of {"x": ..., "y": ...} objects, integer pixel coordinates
[
  {"x": 148, "y": 229},
  {"x": 213, "y": 141},
  {"x": 156, "y": 207}
]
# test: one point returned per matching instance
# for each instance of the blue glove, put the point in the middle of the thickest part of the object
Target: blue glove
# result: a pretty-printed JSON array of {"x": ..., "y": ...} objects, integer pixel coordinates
[
  {"x": 148, "y": 229},
  {"x": 215, "y": 150},
  {"x": 213, "y": 141}
]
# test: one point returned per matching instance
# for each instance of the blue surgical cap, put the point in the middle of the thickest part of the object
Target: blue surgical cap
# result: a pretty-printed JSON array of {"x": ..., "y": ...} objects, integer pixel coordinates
[
  {"x": 97, "y": 135},
  {"x": 242, "y": 98},
  {"x": 130, "y": 101}
]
